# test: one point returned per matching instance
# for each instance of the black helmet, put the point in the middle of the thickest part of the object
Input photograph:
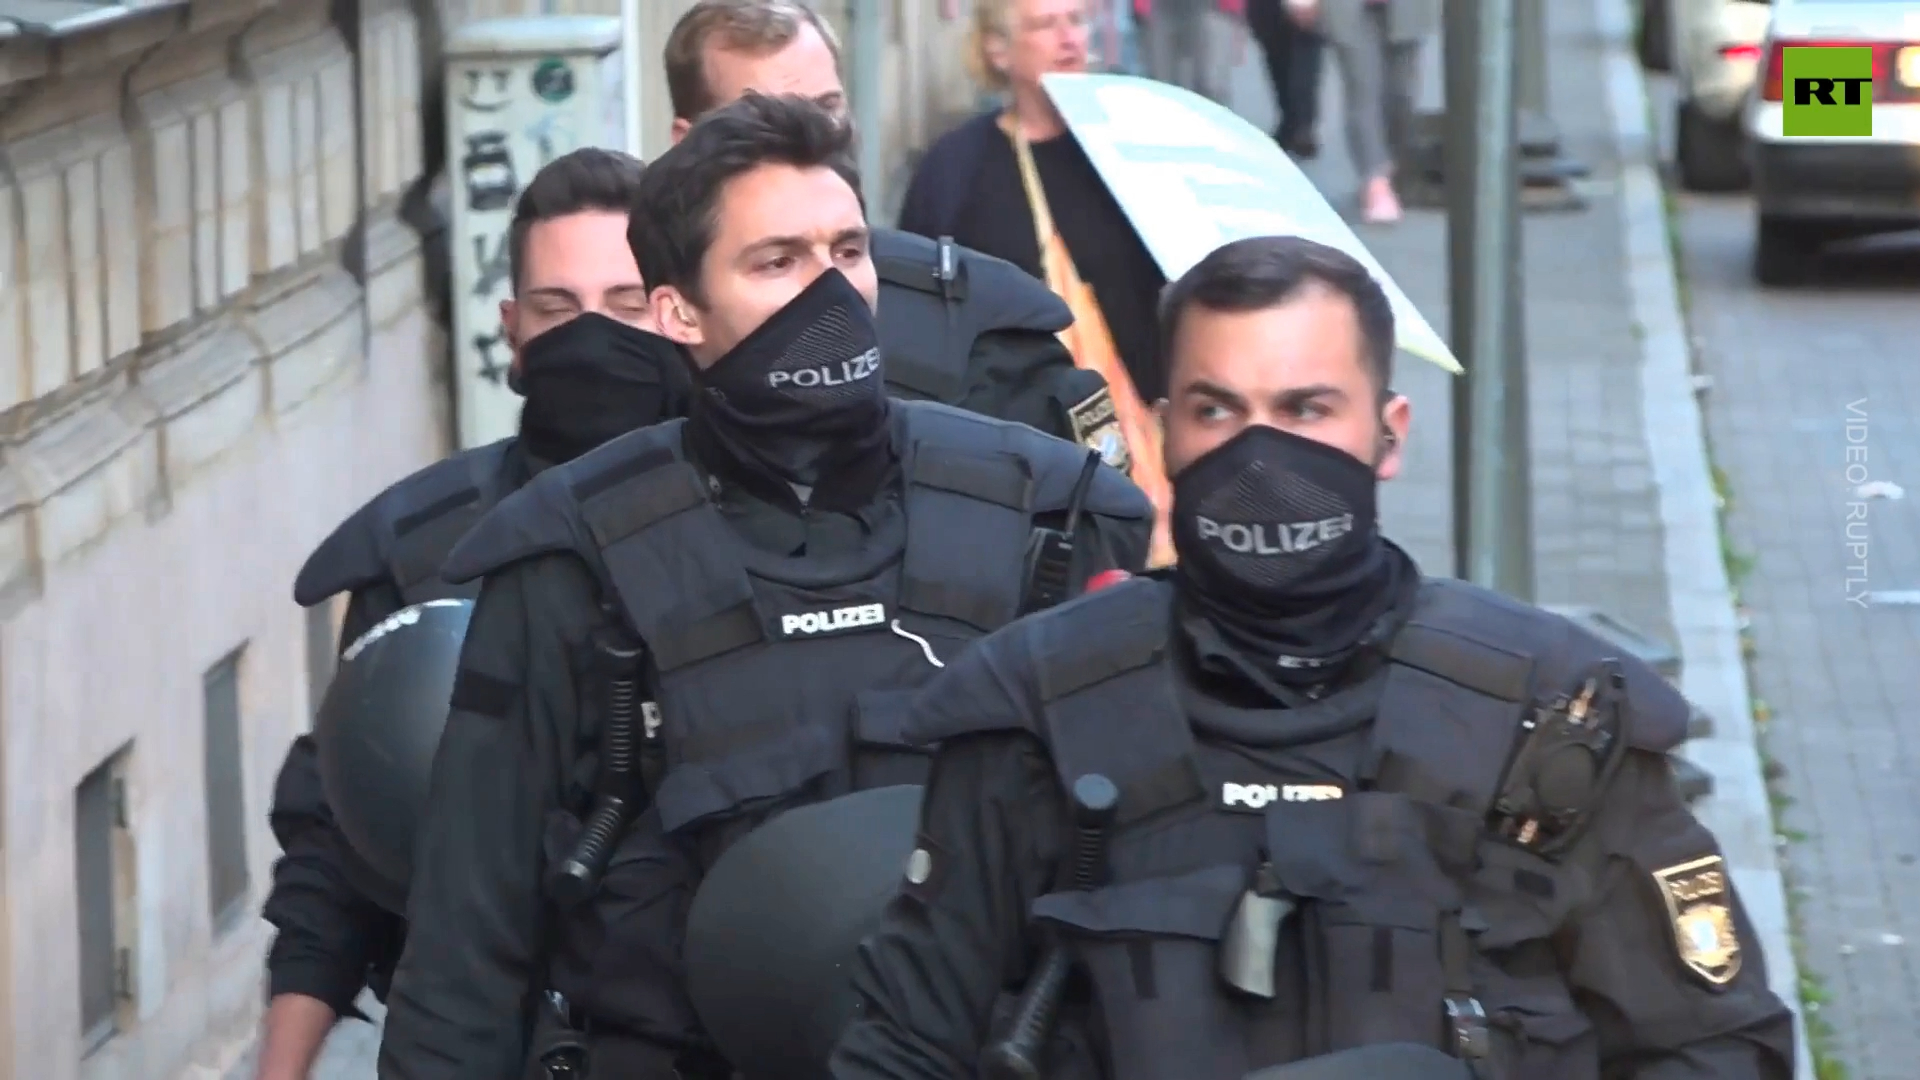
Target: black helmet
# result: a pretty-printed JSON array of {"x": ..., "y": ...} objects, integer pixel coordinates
[
  {"x": 773, "y": 930},
  {"x": 376, "y": 734}
]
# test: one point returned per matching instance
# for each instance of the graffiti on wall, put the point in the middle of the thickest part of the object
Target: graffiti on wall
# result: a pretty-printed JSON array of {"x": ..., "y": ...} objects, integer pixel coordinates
[{"x": 513, "y": 117}]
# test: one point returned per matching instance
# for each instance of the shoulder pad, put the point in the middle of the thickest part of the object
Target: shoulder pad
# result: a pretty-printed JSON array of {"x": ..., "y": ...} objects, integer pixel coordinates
[
  {"x": 1099, "y": 635},
  {"x": 982, "y": 690},
  {"x": 538, "y": 519},
  {"x": 1496, "y": 645},
  {"x": 993, "y": 293},
  {"x": 354, "y": 555},
  {"x": 1054, "y": 463},
  {"x": 1002, "y": 681},
  {"x": 1659, "y": 714},
  {"x": 544, "y": 517}
]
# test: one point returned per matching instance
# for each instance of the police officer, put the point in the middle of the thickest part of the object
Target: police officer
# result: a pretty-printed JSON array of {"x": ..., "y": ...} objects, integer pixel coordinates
[
  {"x": 957, "y": 326},
  {"x": 1291, "y": 798},
  {"x": 582, "y": 356},
  {"x": 714, "y": 619}
]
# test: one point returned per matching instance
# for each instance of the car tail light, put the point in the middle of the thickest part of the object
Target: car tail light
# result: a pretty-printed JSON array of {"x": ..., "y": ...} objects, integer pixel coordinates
[{"x": 1892, "y": 64}]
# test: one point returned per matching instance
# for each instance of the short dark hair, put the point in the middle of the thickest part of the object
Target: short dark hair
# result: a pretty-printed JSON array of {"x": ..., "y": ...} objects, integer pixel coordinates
[
  {"x": 1265, "y": 271},
  {"x": 584, "y": 180},
  {"x": 753, "y": 27},
  {"x": 675, "y": 216}
]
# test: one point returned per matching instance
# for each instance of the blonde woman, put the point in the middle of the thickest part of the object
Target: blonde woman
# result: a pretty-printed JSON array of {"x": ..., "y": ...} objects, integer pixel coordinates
[{"x": 1012, "y": 182}]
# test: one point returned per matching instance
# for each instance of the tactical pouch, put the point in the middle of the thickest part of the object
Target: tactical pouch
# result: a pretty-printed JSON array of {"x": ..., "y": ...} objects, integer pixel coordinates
[
  {"x": 1150, "y": 949},
  {"x": 1371, "y": 871}
]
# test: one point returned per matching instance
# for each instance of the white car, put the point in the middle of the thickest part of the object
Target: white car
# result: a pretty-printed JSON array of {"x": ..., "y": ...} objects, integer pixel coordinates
[
  {"x": 1808, "y": 191},
  {"x": 1713, "y": 49}
]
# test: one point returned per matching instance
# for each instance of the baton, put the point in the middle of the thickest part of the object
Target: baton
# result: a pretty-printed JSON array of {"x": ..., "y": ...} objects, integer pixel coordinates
[{"x": 1096, "y": 801}]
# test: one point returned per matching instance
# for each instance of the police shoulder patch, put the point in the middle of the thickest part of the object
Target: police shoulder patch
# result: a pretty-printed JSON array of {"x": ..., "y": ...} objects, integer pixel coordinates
[
  {"x": 1699, "y": 904},
  {"x": 1096, "y": 426}
]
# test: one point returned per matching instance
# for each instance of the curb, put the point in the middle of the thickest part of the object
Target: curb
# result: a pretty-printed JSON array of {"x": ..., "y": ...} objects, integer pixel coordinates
[{"x": 1713, "y": 667}]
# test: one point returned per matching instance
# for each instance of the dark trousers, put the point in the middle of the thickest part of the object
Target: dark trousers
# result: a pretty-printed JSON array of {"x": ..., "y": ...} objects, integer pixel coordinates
[{"x": 1293, "y": 60}]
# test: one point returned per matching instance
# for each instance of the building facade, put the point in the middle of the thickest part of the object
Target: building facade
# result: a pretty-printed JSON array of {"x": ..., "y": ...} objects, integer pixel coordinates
[{"x": 213, "y": 345}]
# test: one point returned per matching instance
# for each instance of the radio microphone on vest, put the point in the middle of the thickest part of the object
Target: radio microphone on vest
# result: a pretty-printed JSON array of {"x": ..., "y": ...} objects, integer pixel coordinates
[
  {"x": 1096, "y": 803},
  {"x": 1050, "y": 555},
  {"x": 1384, "y": 1061},
  {"x": 617, "y": 787}
]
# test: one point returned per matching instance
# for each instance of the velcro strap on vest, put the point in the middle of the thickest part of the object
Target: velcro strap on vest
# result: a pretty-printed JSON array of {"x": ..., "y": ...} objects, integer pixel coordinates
[
  {"x": 422, "y": 539},
  {"x": 1110, "y": 700},
  {"x": 965, "y": 511},
  {"x": 670, "y": 561},
  {"x": 1459, "y": 686},
  {"x": 1477, "y": 666}
]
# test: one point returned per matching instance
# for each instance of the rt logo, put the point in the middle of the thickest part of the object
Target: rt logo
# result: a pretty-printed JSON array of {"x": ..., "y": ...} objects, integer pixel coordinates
[{"x": 1829, "y": 91}]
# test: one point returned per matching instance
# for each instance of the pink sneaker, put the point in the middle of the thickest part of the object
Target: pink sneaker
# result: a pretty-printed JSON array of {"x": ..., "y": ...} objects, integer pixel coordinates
[{"x": 1379, "y": 204}]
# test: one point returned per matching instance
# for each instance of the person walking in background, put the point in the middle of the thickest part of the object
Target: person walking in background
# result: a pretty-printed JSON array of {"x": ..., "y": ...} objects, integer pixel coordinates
[
  {"x": 1012, "y": 182},
  {"x": 1294, "y": 59},
  {"x": 1177, "y": 45},
  {"x": 1377, "y": 44}
]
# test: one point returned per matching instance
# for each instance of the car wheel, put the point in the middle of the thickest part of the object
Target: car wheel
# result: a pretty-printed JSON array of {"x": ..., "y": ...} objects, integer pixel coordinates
[
  {"x": 1707, "y": 152},
  {"x": 1655, "y": 42},
  {"x": 1784, "y": 251}
]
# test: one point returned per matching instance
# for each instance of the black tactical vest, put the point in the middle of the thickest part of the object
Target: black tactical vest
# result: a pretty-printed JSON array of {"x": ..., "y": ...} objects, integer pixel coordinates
[
  {"x": 403, "y": 534},
  {"x": 937, "y": 299},
  {"x": 778, "y": 680},
  {"x": 1381, "y": 842}
]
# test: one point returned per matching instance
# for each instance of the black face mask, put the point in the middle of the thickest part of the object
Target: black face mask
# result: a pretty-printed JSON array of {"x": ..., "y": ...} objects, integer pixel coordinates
[
  {"x": 593, "y": 378},
  {"x": 1280, "y": 546},
  {"x": 802, "y": 396}
]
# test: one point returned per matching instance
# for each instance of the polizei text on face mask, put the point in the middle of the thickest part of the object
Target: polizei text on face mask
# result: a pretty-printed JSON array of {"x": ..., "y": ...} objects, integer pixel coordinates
[
  {"x": 826, "y": 375},
  {"x": 1275, "y": 538}
]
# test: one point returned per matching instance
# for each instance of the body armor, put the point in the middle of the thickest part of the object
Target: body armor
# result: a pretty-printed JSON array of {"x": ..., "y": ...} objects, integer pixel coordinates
[
  {"x": 937, "y": 299},
  {"x": 775, "y": 680},
  {"x": 402, "y": 534},
  {"x": 1398, "y": 907}
]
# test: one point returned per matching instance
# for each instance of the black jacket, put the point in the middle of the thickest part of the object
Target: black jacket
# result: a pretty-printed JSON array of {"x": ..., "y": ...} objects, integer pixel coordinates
[
  {"x": 331, "y": 939},
  {"x": 483, "y": 929},
  {"x": 996, "y": 826}
]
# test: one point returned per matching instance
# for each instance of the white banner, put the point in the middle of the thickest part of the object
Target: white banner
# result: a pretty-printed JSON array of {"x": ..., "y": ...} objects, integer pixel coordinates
[{"x": 1192, "y": 176}]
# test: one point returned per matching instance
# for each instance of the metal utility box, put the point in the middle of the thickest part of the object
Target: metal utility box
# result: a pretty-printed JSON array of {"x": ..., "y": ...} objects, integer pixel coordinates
[{"x": 520, "y": 92}]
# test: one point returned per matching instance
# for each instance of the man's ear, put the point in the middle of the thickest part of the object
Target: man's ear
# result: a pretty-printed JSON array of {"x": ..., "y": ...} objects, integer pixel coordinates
[
  {"x": 679, "y": 320},
  {"x": 681, "y": 125},
  {"x": 1396, "y": 420}
]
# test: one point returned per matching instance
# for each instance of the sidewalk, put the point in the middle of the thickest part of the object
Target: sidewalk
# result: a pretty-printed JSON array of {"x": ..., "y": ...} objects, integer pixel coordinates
[{"x": 1624, "y": 508}]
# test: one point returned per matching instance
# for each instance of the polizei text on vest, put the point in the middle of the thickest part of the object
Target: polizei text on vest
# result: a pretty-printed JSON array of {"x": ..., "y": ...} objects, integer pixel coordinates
[{"x": 837, "y": 620}]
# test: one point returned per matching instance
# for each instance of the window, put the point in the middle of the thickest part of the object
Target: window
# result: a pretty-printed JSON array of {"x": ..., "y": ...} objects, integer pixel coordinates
[
  {"x": 101, "y": 885},
  {"x": 226, "y": 796},
  {"x": 323, "y": 651}
]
